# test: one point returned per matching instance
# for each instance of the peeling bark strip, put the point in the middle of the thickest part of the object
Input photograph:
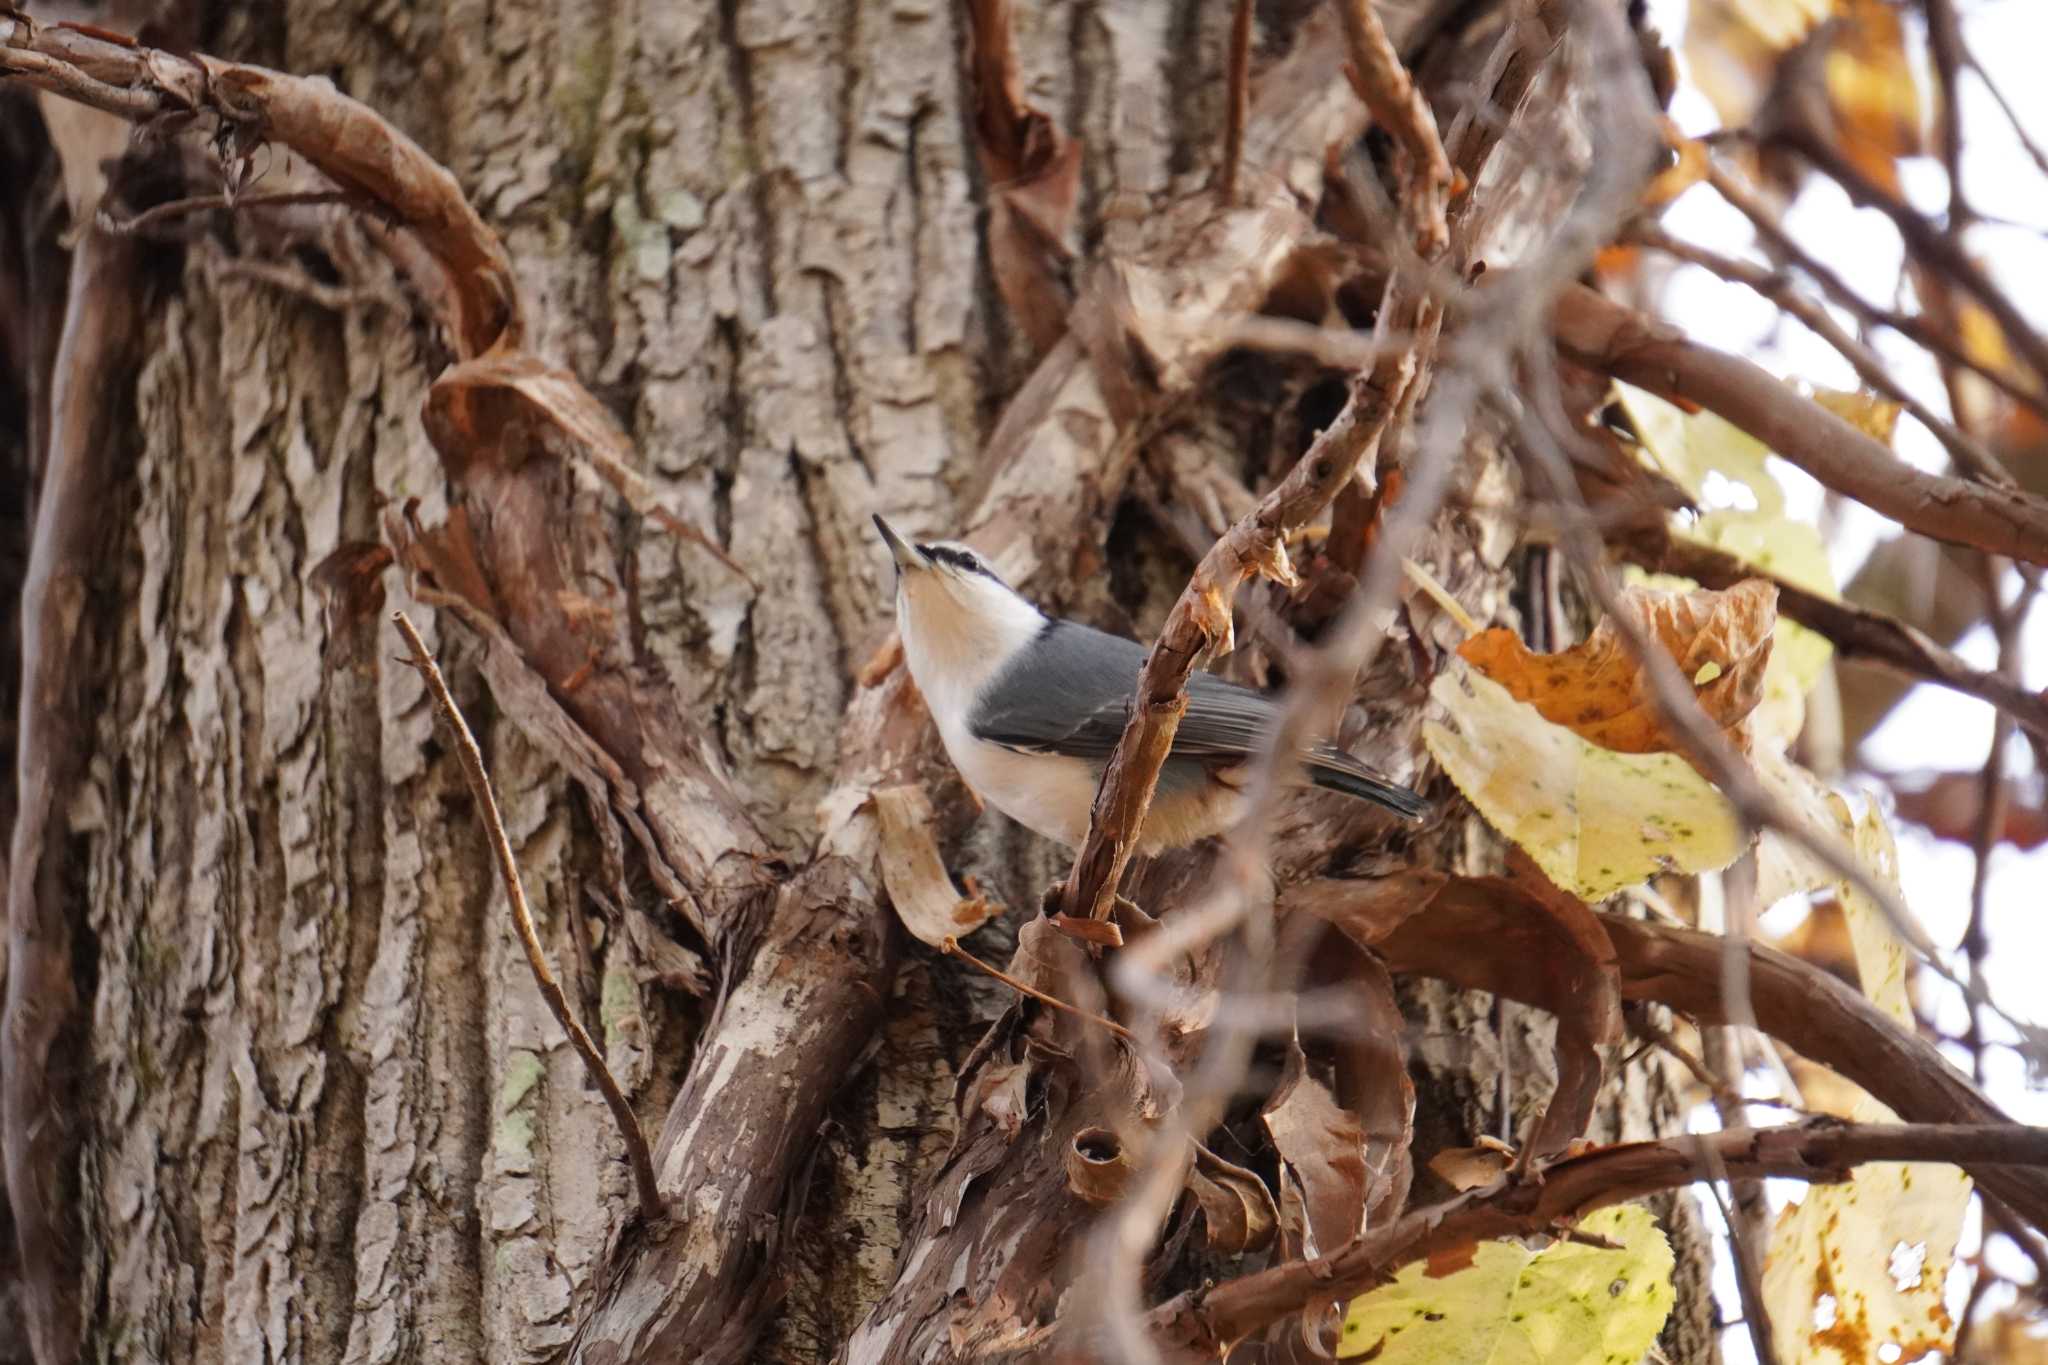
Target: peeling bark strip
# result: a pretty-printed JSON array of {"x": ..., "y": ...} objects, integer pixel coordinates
[
  {"x": 38, "y": 1125},
  {"x": 1653, "y": 355},
  {"x": 349, "y": 143}
]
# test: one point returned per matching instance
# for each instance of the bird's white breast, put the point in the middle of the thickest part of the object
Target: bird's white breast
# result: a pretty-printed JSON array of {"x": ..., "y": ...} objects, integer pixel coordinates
[{"x": 1045, "y": 793}]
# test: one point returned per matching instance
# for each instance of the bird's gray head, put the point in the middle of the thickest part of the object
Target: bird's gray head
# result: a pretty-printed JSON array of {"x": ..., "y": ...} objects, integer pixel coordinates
[{"x": 959, "y": 620}]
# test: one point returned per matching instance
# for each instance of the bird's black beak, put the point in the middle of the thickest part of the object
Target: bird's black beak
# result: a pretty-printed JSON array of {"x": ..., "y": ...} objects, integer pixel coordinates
[{"x": 908, "y": 556}]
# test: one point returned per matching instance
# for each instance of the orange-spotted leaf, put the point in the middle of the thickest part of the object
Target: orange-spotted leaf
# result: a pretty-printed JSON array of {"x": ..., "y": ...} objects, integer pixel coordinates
[{"x": 1597, "y": 689}]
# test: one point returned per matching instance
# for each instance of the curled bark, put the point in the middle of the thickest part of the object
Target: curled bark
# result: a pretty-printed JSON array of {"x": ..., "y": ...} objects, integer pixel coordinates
[{"x": 43, "y": 1009}]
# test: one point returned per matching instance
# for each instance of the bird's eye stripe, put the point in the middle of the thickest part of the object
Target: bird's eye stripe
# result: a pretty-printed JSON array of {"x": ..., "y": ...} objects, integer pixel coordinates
[{"x": 958, "y": 559}]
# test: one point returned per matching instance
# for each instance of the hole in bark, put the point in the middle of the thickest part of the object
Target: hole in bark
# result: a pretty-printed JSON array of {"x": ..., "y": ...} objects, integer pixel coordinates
[{"x": 1097, "y": 1145}]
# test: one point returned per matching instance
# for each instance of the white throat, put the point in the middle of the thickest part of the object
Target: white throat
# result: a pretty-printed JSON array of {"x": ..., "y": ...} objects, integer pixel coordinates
[{"x": 959, "y": 631}]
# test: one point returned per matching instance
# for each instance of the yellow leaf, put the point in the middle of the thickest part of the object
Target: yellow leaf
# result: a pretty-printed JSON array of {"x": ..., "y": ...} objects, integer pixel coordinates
[
  {"x": 1875, "y": 417},
  {"x": 1860, "y": 1265},
  {"x": 1721, "y": 641},
  {"x": 1732, "y": 48},
  {"x": 1708, "y": 456},
  {"x": 1698, "y": 449},
  {"x": 1872, "y": 92},
  {"x": 1567, "y": 1304},
  {"x": 1594, "y": 820}
]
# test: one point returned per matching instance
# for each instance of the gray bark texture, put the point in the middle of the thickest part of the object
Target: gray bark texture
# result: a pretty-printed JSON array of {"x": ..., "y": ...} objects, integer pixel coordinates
[{"x": 295, "y": 1094}]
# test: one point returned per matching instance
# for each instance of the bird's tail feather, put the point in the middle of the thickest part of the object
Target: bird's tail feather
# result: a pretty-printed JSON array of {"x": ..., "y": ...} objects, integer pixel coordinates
[{"x": 1337, "y": 771}]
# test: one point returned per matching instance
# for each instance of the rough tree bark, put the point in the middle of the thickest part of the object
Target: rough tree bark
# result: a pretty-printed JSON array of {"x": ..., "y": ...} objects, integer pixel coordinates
[{"x": 302, "y": 1094}]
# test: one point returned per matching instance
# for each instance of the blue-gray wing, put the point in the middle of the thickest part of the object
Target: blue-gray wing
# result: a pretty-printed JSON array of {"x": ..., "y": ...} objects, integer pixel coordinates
[{"x": 1070, "y": 694}]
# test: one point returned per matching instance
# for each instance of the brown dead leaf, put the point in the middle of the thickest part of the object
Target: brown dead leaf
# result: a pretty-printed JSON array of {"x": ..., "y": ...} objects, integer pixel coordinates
[
  {"x": 1370, "y": 1068},
  {"x": 352, "y": 582},
  {"x": 1322, "y": 1162},
  {"x": 918, "y": 884},
  {"x": 1468, "y": 1168},
  {"x": 1720, "y": 640},
  {"x": 1520, "y": 938},
  {"x": 1450, "y": 1260},
  {"x": 1034, "y": 173},
  {"x": 1235, "y": 1204}
]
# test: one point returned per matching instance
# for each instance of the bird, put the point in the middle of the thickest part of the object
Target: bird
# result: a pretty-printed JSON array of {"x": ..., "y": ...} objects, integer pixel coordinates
[{"x": 1030, "y": 708}]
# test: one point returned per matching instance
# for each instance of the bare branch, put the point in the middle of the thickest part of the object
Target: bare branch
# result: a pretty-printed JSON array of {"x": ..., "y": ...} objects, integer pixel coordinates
[
  {"x": 1200, "y": 620},
  {"x": 1919, "y": 330},
  {"x": 1968, "y": 451},
  {"x": 1930, "y": 247},
  {"x": 1606, "y": 337},
  {"x": 951, "y": 948},
  {"x": 361, "y": 152},
  {"x": 1209, "y": 1321},
  {"x": 522, "y": 921},
  {"x": 1397, "y": 105}
]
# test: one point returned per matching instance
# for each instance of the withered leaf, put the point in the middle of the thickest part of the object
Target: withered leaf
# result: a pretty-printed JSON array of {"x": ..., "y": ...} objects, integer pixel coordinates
[
  {"x": 1468, "y": 1168},
  {"x": 915, "y": 875},
  {"x": 1596, "y": 689},
  {"x": 1235, "y": 1204},
  {"x": 1521, "y": 938},
  {"x": 1371, "y": 1069},
  {"x": 351, "y": 580},
  {"x": 1322, "y": 1154}
]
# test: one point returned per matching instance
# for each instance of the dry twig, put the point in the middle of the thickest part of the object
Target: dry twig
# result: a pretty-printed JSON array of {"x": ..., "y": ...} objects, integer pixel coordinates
[
  {"x": 951, "y": 948},
  {"x": 522, "y": 920},
  {"x": 1237, "y": 100}
]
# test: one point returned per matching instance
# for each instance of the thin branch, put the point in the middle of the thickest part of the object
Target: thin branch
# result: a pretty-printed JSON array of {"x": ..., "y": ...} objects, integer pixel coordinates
[
  {"x": 1749, "y": 1285},
  {"x": 1212, "y": 1319},
  {"x": 1237, "y": 100},
  {"x": 1856, "y": 632},
  {"x": 522, "y": 920},
  {"x": 206, "y": 203},
  {"x": 1926, "y": 243},
  {"x": 1397, "y": 106},
  {"x": 1969, "y": 453},
  {"x": 1994, "y": 798},
  {"x": 2019, "y": 125},
  {"x": 1200, "y": 620},
  {"x": 1917, "y": 329},
  {"x": 1608, "y": 338},
  {"x": 950, "y": 946}
]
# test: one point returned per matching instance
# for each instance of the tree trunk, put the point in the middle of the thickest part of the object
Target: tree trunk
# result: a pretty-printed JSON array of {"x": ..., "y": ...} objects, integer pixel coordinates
[{"x": 299, "y": 1097}]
